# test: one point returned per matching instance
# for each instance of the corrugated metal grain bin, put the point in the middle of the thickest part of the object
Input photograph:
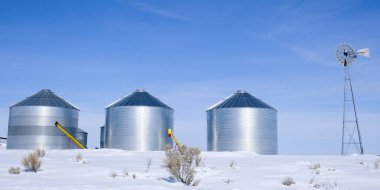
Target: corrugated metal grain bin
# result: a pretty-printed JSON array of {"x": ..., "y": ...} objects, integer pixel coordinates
[
  {"x": 81, "y": 136},
  {"x": 242, "y": 122},
  {"x": 31, "y": 122},
  {"x": 138, "y": 122},
  {"x": 102, "y": 137}
]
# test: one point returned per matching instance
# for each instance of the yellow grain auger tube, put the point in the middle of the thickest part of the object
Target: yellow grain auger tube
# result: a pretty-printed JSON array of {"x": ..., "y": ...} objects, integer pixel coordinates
[
  {"x": 79, "y": 145},
  {"x": 179, "y": 145}
]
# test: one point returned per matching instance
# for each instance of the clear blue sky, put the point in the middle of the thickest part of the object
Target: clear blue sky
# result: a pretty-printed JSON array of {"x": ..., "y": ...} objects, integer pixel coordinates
[{"x": 192, "y": 54}]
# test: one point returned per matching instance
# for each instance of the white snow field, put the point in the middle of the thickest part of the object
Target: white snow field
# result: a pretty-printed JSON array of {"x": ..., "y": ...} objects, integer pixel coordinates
[{"x": 60, "y": 171}]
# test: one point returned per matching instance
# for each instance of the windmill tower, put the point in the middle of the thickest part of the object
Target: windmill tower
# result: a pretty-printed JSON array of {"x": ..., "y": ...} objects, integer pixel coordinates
[{"x": 351, "y": 138}]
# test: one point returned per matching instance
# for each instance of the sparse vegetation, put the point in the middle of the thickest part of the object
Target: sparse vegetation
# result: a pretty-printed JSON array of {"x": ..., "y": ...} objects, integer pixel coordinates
[
  {"x": 78, "y": 157},
  {"x": 32, "y": 162},
  {"x": 148, "y": 163},
  {"x": 323, "y": 183},
  {"x": 197, "y": 155},
  {"x": 40, "y": 152},
  {"x": 315, "y": 166},
  {"x": 228, "y": 181},
  {"x": 196, "y": 182},
  {"x": 181, "y": 164},
  {"x": 288, "y": 181},
  {"x": 377, "y": 164},
  {"x": 233, "y": 164},
  {"x": 125, "y": 173},
  {"x": 13, "y": 170},
  {"x": 113, "y": 174},
  {"x": 134, "y": 176}
]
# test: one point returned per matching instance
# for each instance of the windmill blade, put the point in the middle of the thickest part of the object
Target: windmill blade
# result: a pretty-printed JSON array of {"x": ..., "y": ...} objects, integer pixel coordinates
[{"x": 363, "y": 52}]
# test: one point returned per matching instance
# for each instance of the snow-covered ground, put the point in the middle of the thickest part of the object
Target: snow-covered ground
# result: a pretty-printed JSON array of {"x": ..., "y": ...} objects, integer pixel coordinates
[{"x": 60, "y": 171}]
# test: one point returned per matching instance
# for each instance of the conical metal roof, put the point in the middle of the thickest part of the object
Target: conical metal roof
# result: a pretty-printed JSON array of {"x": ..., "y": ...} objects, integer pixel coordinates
[
  {"x": 46, "y": 97},
  {"x": 241, "y": 99},
  {"x": 139, "y": 98}
]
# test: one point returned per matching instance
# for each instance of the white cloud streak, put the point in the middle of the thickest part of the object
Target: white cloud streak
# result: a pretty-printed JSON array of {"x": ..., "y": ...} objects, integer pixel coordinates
[{"x": 161, "y": 12}]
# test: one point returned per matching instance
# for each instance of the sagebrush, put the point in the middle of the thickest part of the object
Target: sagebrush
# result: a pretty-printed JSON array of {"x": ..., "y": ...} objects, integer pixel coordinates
[
  {"x": 288, "y": 181},
  {"x": 148, "y": 164},
  {"x": 13, "y": 170},
  {"x": 78, "y": 157},
  {"x": 32, "y": 162},
  {"x": 377, "y": 164},
  {"x": 40, "y": 152},
  {"x": 181, "y": 164}
]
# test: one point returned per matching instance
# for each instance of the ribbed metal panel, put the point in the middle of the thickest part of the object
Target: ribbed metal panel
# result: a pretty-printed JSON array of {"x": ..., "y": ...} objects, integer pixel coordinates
[
  {"x": 33, "y": 126},
  {"x": 138, "y": 122},
  {"x": 242, "y": 128},
  {"x": 81, "y": 136},
  {"x": 31, "y": 122},
  {"x": 45, "y": 97},
  {"x": 138, "y": 128},
  {"x": 102, "y": 137}
]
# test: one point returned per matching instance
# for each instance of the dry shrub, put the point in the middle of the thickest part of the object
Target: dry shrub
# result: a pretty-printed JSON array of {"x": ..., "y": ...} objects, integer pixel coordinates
[
  {"x": 288, "y": 181},
  {"x": 125, "y": 173},
  {"x": 377, "y": 164},
  {"x": 232, "y": 164},
  {"x": 167, "y": 147},
  {"x": 40, "y": 152},
  {"x": 148, "y": 163},
  {"x": 323, "y": 183},
  {"x": 197, "y": 156},
  {"x": 32, "y": 162},
  {"x": 13, "y": 170},
  {"x": 181, "y": 164},
  {"x": 315, "y": 166},
  {"x": 78, "y": 157},
  {"x": 113, "y": 174}
]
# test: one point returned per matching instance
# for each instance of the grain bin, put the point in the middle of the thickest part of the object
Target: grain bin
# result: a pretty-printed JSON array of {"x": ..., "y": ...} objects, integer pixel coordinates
[
  {"x": 102, "y": 137},
  {"x": 138, "y": 122},
  {"x": 81, "y": 136},
  {"x": 242, "y": 122},
  {"x": 31, "y": 122}
]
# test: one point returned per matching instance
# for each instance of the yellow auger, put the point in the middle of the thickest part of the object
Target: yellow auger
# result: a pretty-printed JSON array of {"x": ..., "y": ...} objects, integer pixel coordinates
[
  {"x": 179, "y": 145},
  {"x": 79, "y": 145}
]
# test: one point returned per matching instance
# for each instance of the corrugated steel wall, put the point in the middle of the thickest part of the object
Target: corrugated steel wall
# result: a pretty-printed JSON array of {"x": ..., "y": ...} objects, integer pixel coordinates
[
  {"x": 139, "y": 128},
  {"x": 242, "y": 129},
  {"x": 33, "y": 126},
  {"x": 102, "y": 137}
]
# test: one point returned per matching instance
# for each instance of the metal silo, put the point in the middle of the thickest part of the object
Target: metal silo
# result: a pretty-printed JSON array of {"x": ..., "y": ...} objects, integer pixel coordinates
[
  {"x": 81, "y": 136},
  {"x": 242, "y": 122},
  {"x": 31, "y": 122},
  {"x": 138, "y": 122},
  {"x": 102, "y": 137}
]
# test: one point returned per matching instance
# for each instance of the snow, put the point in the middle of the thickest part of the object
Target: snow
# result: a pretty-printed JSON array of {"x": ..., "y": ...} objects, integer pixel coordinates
[{"x": 60, "y": 170}]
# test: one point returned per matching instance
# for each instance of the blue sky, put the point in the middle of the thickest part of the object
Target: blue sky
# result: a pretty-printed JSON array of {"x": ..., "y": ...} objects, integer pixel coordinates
[{"x": 192, "y": 54}]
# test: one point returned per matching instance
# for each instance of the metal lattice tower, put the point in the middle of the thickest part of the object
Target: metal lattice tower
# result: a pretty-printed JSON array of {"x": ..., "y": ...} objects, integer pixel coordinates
[{"x": 351, "y": 138}]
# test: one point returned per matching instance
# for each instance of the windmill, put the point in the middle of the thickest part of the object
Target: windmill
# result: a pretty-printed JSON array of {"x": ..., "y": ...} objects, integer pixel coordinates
[{"x": 351, "y": 138}]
